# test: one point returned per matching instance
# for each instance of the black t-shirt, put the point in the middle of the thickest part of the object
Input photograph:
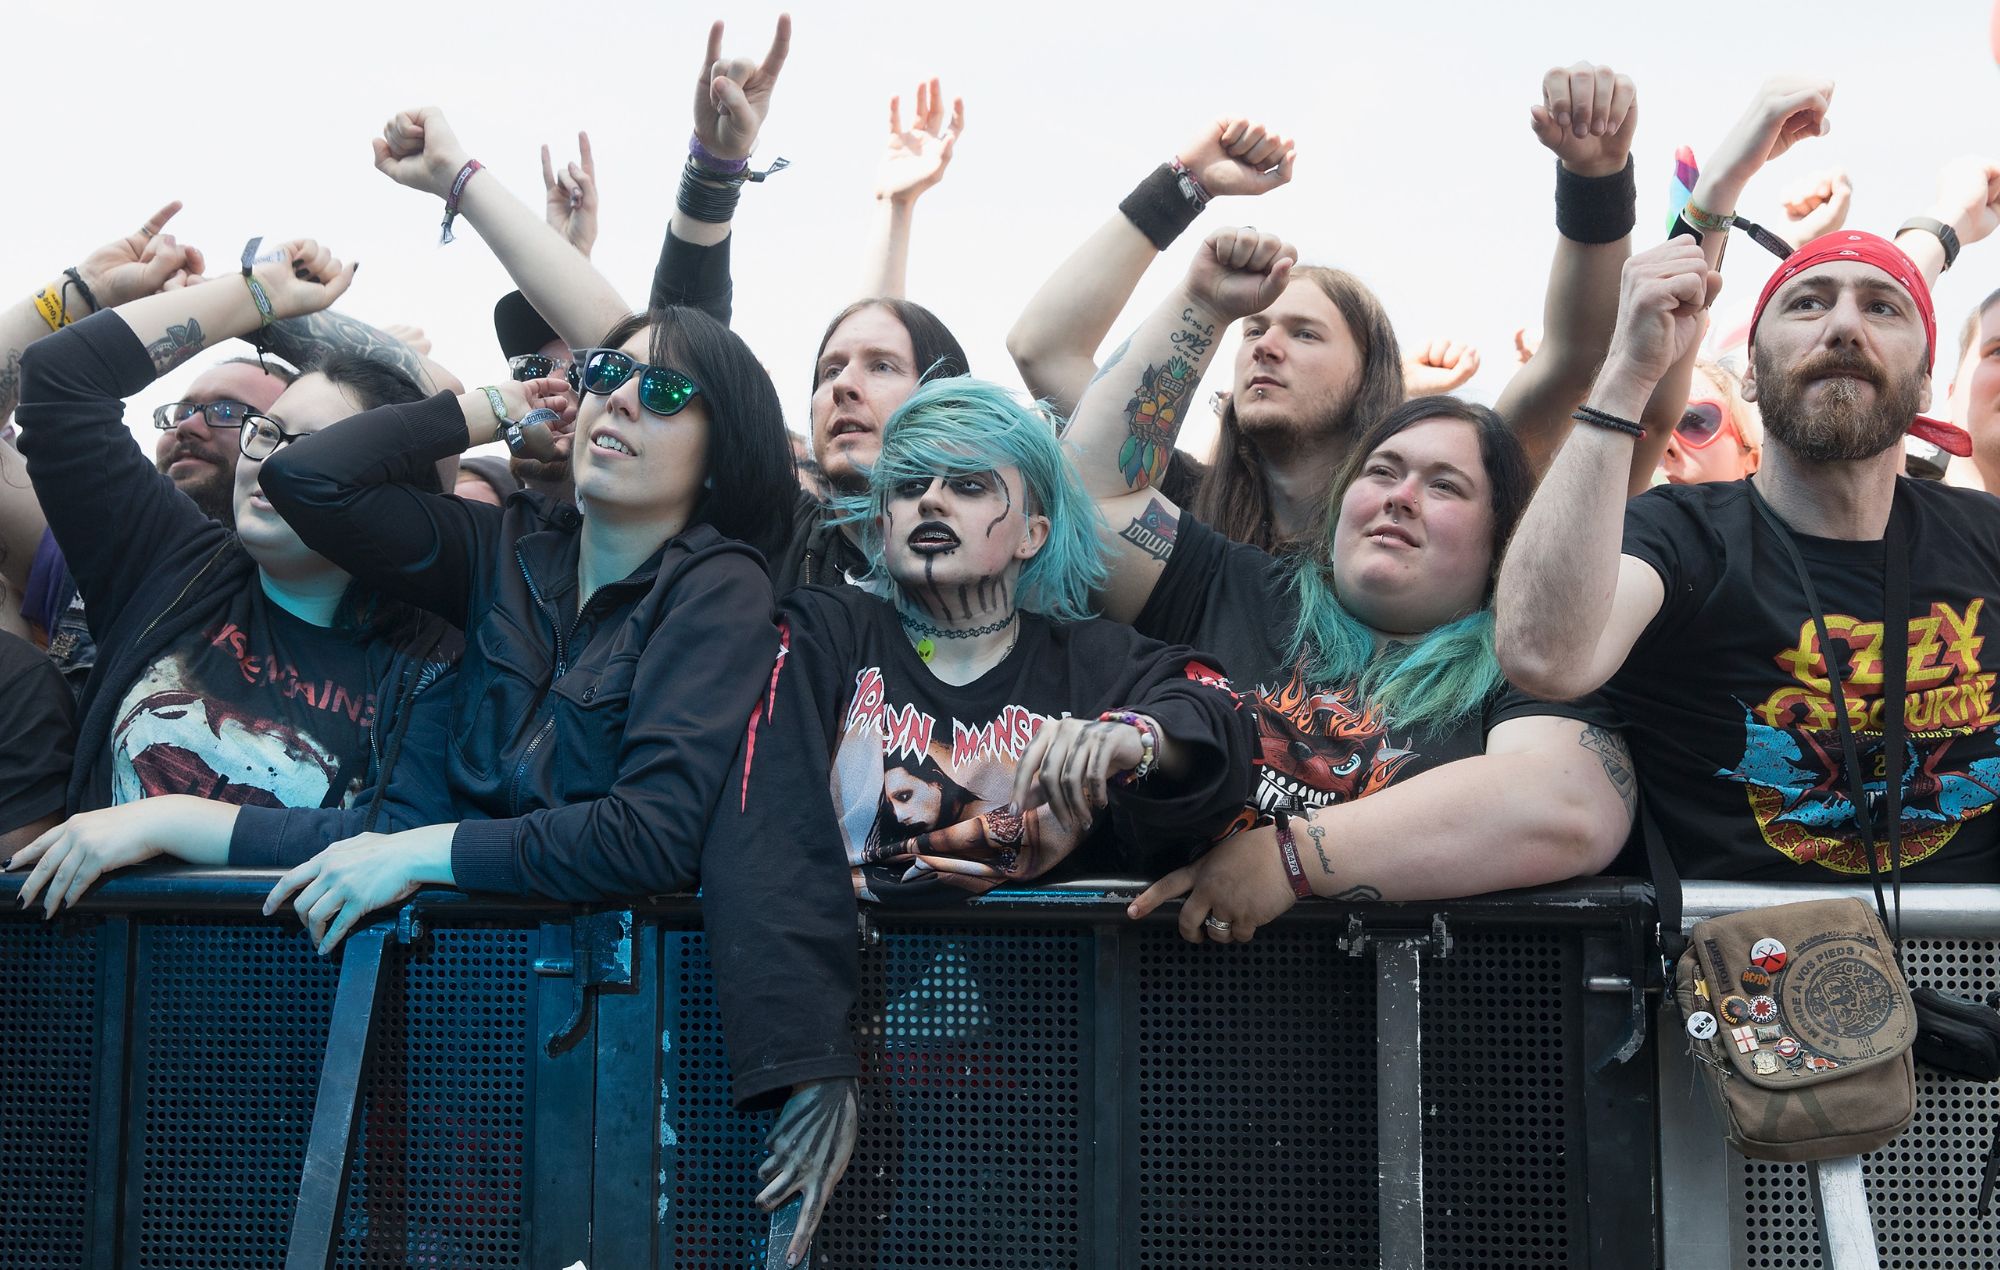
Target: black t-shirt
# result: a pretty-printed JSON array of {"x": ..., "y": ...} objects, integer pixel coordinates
[
  {"x": 922, "y": 771},
  {"x": 1316, "y": 746},
  {"x": 37, "y": 734},
  {"x": 1727, "y": 704},
  {"x": 267, "y": 710}
]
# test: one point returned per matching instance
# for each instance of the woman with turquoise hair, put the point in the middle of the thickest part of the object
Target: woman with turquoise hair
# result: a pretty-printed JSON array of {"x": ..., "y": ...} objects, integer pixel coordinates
[
  {"x": 1393, "y": 762},
  {"x": 972, "y": 723}
]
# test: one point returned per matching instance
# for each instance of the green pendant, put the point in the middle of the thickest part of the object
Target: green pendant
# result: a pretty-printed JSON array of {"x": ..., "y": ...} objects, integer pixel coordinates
[{"x": 925, "y": 647}]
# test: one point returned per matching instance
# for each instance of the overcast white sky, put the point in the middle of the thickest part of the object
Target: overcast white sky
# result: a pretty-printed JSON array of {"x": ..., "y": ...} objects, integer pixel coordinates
[{"x": 1416, "y": 166}]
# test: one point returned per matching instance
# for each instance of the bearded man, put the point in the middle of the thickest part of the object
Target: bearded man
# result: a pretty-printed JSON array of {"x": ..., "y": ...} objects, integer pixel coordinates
[{"x": 1803, "y": 662}]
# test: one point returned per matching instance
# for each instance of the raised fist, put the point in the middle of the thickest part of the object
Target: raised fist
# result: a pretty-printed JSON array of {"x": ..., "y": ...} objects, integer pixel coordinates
[
  {"x": 417, "y": 148},
  {"x": 1438, "y": 367},
  {"x": 1968, "y": 198},
  {"x": 301, "y": 277},
  {"x": 1587, "y": 116},
  {"x": 1819, "y": 206},
  {"x": 1785, "y": 111},
  {"x": 1661, "y": 296},
  {"x": 1235, "y": 156},
  {"x": 1236, "y": 272}
]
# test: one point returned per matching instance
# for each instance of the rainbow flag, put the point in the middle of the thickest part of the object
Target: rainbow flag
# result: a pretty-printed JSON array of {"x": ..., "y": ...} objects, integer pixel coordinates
[{"x": 1685, "y": 175}]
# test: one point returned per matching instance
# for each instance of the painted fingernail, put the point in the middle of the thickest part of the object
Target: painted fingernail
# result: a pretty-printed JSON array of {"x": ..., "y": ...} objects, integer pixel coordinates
[{"x": 6, "y": 864}]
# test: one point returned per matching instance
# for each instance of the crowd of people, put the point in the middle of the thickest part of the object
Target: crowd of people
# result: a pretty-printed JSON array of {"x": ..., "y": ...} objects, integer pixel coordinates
[{"x": 1381, "y": 643}]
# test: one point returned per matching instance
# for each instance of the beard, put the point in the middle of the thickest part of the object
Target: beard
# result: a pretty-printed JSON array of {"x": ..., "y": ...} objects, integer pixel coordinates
[
  {"x": 1842, "y": 426},
  {"x": 214, "y": 492}
]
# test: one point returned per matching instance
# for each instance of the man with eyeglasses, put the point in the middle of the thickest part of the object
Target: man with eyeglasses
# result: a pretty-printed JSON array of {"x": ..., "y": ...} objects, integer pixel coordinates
[
  {"x": 535, "y": 351},
  {"x": 198, "y": 434}
]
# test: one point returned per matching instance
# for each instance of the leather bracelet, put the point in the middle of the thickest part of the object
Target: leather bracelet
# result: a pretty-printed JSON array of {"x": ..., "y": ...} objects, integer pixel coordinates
[
  {"x": 82, "y": 289},
  {"x": 1596, "y": 209},
  {"x": 1288, "y": 849},
  {"x": 1605, "y": 419},
  {"x": 708, "y": 196},
  {"x": 1947, "y": 236}
]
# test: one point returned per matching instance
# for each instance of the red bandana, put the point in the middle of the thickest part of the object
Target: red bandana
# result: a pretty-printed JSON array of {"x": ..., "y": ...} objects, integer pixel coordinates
[{"x": 1868, "y": 249}]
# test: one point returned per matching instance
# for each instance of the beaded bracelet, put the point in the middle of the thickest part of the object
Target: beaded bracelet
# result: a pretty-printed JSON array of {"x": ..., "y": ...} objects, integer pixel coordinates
[
  {"x": 451, "y": 199},
  {"x": 1149, "y": 743},
  {"x": 1288, "y": 850},
  {"x": 1605, "y": 419}
]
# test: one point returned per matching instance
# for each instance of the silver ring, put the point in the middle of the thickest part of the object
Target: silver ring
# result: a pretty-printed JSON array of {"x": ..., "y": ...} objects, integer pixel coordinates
[{"x": 1216, "y": 924}]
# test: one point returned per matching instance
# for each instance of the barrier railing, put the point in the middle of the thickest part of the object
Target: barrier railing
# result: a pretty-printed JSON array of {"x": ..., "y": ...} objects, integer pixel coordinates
[
  {"x": 183, "y": 1083},
  {"x": 1921, "y": 1189}
]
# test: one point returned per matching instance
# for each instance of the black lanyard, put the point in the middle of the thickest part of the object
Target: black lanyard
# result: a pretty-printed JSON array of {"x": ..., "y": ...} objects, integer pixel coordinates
[{"x": 1895, "y": 674}]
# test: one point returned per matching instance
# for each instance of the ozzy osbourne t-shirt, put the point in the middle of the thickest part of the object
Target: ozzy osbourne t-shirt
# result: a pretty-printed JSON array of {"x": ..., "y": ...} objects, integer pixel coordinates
[
  {"x": 267, "y": 710},
  {"x": 1727, "y": 703}
]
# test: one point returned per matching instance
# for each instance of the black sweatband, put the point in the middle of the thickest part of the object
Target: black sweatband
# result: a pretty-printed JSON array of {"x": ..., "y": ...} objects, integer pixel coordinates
[
  {"x": 1605, "y": 419},
  {"x": 1157, "y": 206},
  {"x": 1596, "y": 209},
  {"x": 709, "y": 197}
]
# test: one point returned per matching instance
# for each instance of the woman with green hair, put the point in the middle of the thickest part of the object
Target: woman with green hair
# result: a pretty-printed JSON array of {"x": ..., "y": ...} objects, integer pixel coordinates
[
  {"x": 1392, "y": 762},
  {"x": 971, "y": 721}
]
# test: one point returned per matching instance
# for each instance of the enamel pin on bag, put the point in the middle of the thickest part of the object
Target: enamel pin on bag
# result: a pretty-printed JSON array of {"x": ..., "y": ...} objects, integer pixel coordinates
[{"x": 1811, "y": 1058}]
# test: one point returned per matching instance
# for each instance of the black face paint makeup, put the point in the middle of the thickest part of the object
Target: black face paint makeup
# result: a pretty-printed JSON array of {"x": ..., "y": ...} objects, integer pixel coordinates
[{"x": 1006, "y": 493}]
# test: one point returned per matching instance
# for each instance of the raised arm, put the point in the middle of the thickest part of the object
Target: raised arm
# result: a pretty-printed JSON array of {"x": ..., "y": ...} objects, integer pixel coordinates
[
  {"x": 1569, "y": 605},
  {"x": 1785, "y": 111},
  {"x": 570, "y": 194},
  {"x": 1968, "y": 202},
  {"x": 304, "y": 340},
  {"x": 1123, "y": 432},
  {"x": 1552, "y": 798},
  {"x": 418, "y": 149},
  {"x": 1054, "y": 341},
  {"x": 732, "y": 97},
  {"x": 915, "y": 160},
  {"x": 124, "y": 269},
  {"x": 1587, "y": 117}
]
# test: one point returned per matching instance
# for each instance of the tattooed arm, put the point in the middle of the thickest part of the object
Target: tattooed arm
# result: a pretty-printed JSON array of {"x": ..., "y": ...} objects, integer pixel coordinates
[
  {"x": 1123, "y": 431},
  {"x": 305, "y": 339},
  {"x": 1054, "y": 341},
  {"x": 1552, "y": 798}
]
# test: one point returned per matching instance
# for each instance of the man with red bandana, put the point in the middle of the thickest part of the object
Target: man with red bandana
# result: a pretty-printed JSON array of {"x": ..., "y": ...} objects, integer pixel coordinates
[{"x": 1702, "y": 632}]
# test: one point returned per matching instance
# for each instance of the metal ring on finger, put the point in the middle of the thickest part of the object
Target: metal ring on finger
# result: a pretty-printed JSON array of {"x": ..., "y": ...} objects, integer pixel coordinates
[{"x": 1216, "y": 924}]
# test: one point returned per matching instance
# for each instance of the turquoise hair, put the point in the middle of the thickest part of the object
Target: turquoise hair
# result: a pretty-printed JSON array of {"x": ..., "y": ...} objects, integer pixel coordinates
[
  {"x": 1431, "y": 685},
  {"x": 960, "y": 424}
]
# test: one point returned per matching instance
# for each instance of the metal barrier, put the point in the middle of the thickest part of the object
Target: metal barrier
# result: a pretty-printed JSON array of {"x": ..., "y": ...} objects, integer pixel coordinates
[
  {"x": 1047, "y": 1084},
  {"x": 1724, "y": 1210}
]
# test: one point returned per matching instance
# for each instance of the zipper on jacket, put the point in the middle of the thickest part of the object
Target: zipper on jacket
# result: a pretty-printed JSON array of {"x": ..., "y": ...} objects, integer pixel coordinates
[
  {"x": 521, "y": 770},
  {"x": 561, "y": 669}
]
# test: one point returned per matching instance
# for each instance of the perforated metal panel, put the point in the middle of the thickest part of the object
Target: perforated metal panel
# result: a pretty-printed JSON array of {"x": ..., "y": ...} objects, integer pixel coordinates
[
  {"x": 970, "y": 1111},
  {"x": 1923, "y": 1186},
  {"x": 48, "y": 984},
  {"x": 232, "y": 1025},
  {"x": 437, "y": 1177},
  {"x": 1501, "y": 1184},
  {"x": 1254, "y": 1134}
]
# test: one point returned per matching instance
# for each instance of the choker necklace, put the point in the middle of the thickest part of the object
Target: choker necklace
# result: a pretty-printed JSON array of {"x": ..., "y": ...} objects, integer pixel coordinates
[{"x": 927, "y": 646}]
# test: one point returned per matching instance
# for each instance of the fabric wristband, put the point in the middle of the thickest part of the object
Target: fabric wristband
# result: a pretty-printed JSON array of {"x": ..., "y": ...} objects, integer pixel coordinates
[
  {"x": 265, "y": 313},
  {"x": 1158, "y": 207},
  {"x": 707, "y": 158},
  {"x": 1596, "y": 209},
  {"x": 451, "y": 199},
  {"x": 499, "y": 404},
  {"x": 1288, "y": 850},
  {"x": 48, "y": 303}
]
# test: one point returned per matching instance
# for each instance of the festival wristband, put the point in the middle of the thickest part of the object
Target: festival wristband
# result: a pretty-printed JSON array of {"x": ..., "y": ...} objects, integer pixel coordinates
[
  {"x": 265, "y": 313},
  {"x": 1288, "y": 849},
  {"x": 451, "y": 199},
  {"x": 1706, "y": 222},
  {"x": 48, "y": 303},
  {"x": 499, "y": 404},
  {"x": 709, "y": 160}
]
